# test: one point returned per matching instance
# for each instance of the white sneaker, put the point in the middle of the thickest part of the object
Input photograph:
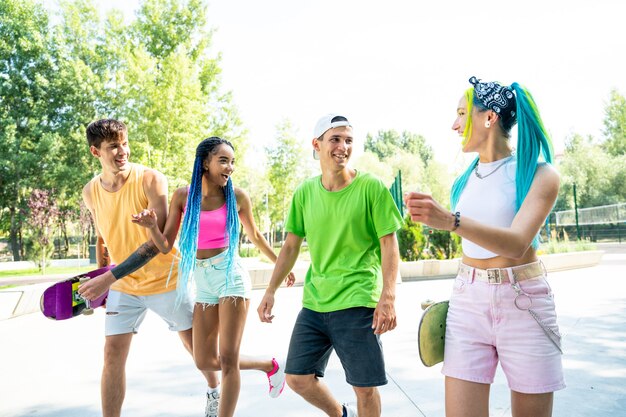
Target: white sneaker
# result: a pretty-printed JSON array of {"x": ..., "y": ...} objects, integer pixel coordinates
[
  {"x": 212, "y": 404},
  {"x": 276, "y": 378},
  {"x": 350, "y": 411}
]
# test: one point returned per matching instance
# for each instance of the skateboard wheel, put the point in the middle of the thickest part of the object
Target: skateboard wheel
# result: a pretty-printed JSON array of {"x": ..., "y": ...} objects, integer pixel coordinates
[
  {"x": 87, "y": 311},
  {"x": 427, "y": 303}
]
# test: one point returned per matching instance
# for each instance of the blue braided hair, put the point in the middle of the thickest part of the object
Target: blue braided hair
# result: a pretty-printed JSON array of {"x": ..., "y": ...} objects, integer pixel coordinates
[
  {"x": 532, "y": 137},
  {"x": 188, "y": 244}
]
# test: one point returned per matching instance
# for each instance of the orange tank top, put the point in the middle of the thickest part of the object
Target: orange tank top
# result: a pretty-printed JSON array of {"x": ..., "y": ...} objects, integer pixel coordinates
[{"x": 122, "y": 237}]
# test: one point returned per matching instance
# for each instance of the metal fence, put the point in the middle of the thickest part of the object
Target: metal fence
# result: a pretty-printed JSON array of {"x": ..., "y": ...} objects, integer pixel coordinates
[{"x": 602, "y": 223}]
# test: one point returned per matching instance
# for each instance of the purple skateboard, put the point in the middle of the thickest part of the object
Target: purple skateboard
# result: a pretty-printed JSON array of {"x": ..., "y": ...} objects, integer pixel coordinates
[{"x": 61, "y": 301}]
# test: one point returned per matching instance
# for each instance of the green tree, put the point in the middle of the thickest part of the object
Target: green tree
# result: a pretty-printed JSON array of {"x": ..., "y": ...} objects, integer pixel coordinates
[
  {"x": 257, "y": 185},
  {"x": 595, "y": 173},
  {"x": 27, "y": 117},
  {"x": 42, "y": 214},
  {"x": 387, "y": 142},
  {"x": 411, "y": 155},
  {"x": 615, "y": 125},
  {"x": 285, "y": 172},
  {"x": 156, "y": 73},
  {"x": 171, "y": 88},
  {"x": 163, "y": 26},
  {"x": 79, "y": 92}
]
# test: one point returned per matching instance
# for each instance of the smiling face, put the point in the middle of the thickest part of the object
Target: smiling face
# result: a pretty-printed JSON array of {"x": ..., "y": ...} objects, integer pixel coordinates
[
  {"x": 220, "y": 164},
  {"x": 113, "y": 154},
  {"x": 475, "y": 132},
  {"x": 335, "y": 147},
  {"x": 461, "y": 118}
]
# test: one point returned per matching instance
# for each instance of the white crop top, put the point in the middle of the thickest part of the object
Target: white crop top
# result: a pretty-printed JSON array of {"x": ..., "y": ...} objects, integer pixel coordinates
[{"x": 490, "y": 200}]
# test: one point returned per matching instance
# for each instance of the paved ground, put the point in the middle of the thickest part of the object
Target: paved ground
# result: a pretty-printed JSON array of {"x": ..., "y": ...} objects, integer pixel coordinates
[{"x": 52, "y": 369}]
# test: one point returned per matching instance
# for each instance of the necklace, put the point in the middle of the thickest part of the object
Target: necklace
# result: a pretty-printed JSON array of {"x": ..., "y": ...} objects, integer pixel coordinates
[{"x": 483, "y": 176}]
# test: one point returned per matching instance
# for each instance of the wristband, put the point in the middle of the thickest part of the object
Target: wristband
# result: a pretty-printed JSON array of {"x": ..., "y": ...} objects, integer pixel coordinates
[{"x": 457, "y": 220}]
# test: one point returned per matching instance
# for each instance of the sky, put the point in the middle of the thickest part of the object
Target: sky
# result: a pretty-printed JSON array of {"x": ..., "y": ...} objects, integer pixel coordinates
[{"x": 404, "y": 64}]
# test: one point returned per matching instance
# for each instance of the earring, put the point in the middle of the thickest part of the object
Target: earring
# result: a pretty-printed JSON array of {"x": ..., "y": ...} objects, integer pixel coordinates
[{"x": 487, "y": 124}]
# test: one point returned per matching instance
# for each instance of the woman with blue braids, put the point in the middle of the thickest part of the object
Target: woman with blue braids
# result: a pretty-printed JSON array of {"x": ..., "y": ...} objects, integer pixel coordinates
[
  {"x": 501, "y": 307},
  {"x": 211, "y": 210}
]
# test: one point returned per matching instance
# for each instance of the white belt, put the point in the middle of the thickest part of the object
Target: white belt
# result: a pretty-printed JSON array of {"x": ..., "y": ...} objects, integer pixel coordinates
[{"x": 499, "y": 275}]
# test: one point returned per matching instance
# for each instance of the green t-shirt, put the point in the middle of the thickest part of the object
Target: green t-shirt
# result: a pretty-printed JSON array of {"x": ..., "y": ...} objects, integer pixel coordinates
[{"x": 342, "y": 230}]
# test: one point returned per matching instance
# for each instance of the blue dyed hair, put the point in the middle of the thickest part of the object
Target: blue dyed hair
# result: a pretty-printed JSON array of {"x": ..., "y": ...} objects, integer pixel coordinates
[
  {"x": 532, "y": 140},
  {"x": 189, "y": 233}
]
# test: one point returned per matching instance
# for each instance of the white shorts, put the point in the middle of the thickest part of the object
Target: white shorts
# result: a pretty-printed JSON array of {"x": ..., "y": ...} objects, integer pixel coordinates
[{"x": 125, "y": 312}]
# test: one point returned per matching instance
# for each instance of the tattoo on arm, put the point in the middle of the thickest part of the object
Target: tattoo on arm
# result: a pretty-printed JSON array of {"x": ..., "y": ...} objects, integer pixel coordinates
[{"x": 136, "y": 260}]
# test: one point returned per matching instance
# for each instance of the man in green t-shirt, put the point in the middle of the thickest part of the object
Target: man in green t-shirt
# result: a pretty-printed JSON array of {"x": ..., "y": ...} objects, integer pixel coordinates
[{"x": 349, "y": 221}]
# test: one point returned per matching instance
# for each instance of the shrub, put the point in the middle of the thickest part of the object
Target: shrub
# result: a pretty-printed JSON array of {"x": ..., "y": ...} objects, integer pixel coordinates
[
  {"x": 443, "y": 245},
  {"x": 410, "y": 240}
]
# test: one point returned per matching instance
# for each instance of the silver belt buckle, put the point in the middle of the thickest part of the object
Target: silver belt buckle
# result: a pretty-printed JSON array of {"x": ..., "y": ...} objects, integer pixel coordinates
[{"x": 494, "y": 276}]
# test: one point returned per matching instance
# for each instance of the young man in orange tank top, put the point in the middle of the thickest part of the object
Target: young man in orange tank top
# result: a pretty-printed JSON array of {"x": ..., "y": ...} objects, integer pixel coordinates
[{"x": 131, "y": 186}]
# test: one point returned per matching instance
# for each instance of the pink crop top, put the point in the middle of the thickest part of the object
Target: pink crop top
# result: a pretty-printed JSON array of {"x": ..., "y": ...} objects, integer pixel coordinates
[{"x": 212, "y": 229}]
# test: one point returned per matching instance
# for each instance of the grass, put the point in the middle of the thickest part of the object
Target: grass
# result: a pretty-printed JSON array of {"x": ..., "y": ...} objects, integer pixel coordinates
[
  {"x": 51, "y": 270},
  {"x": 562, "y": 246}
]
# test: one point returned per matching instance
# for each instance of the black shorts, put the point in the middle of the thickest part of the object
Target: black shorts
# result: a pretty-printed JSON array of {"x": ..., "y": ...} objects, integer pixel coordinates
[{"x": 350, "y": 333}]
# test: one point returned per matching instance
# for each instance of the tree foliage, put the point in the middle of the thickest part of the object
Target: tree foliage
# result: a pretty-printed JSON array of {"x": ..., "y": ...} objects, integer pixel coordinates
[
  {"x": 42, "y": 215},
  {"x": 285, "y": 158},
  {"x": 599, "y": 176},
  {"x": 389, "y": 152},
  {"x": 615, "y": 125},
  {"x": 443, "y": 244},
  {"x": 387, "y": 142},
  {"x": 411, "y": 240},
  {"x": 27, "y": 142},
  {"x": 156, "y": 73}
]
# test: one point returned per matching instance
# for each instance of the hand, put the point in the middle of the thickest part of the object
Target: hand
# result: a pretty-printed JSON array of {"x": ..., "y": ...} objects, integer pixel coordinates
[
  {"x": 96, "y": 286},
  {"x": 265, "y": 308},
  {"x": 424, "y": 209},
  {"x": 290, "y": 279},
  {"x": 384, "y": 316},
  {"x": 146, "y": 218}
]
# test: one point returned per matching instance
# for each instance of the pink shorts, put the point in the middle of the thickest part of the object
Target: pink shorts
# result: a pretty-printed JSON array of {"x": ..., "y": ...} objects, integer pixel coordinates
[{"x": 484, "y": 326}]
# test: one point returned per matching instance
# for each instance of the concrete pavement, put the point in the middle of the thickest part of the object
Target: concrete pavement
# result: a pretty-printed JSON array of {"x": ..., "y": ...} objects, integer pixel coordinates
[{"x": 52, "y": 369}]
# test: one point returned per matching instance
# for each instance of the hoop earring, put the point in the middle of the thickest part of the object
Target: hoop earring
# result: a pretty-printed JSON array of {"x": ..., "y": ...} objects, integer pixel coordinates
[{"x": 487, "y": 124}]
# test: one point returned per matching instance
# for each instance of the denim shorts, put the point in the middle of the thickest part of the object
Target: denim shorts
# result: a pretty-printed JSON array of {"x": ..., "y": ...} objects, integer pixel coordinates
[
  {"x": 349, "y": 332},
  {"x": 485, "y": 327},
  {"x": 213, "y": 283},
  {"x": 125, "y": 312}
]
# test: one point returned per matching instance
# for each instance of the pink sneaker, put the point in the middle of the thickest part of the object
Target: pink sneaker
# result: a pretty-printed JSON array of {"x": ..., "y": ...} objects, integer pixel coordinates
[{"x": 276, "y": 378}]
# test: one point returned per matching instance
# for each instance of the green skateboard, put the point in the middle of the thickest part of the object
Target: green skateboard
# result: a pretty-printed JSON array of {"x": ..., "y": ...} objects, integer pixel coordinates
[{"x": 432, "y": 332}]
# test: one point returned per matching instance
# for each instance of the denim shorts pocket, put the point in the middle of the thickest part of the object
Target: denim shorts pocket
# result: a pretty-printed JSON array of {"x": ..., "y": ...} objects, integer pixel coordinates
[
  {"x": 222, "y": 265},
  {"x": 459, "y": 285},
  {"x": 536, "y": 286}
]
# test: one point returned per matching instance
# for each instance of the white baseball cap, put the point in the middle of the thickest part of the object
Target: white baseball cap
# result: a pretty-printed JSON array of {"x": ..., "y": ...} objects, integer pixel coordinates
[{"x": 328, "y": 122}]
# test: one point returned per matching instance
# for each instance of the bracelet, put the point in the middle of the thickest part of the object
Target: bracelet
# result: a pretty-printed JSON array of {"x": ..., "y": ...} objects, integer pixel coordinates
[{"x": 457, "y": 220}]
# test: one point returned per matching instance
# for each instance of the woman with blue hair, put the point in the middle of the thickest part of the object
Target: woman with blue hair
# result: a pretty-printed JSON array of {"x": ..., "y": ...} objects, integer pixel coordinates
[
  {"x": 501, "y": 307},
  {"x": 212, "y": 209}
]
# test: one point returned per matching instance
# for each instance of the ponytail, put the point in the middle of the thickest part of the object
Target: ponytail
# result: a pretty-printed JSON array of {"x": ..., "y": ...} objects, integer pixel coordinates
[{"x": 532, "y": 140}]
